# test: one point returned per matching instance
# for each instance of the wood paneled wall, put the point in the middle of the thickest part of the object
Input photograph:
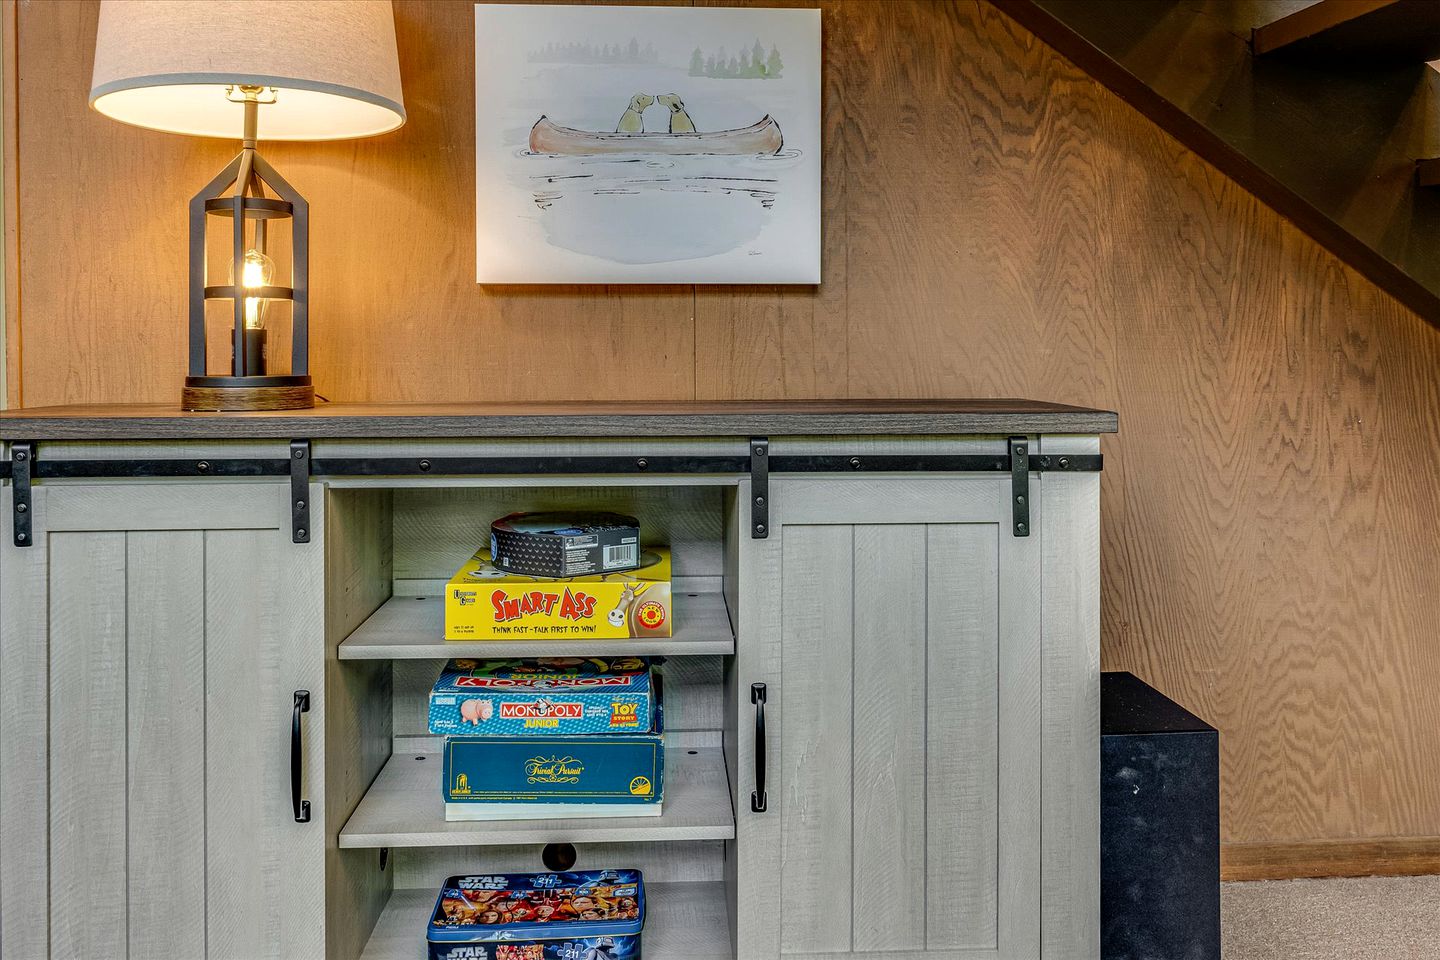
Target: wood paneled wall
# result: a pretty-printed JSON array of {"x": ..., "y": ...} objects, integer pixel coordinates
[
  {"x": 1358, "y": 123},
  {"x": 995, "y": 224}
]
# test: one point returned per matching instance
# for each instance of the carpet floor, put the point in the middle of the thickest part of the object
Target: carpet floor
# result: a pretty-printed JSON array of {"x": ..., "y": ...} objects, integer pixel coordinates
[{"x": 1374, "y": 918}]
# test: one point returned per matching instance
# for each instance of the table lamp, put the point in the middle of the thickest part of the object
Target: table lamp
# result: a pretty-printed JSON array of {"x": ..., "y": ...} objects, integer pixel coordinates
[{"x": 310, "y": 70}]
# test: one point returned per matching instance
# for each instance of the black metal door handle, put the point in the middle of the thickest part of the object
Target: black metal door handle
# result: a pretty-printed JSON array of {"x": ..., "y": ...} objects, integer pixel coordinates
[
  {"x": 297, "y": 757},
  {"x": 759, "y": 801}
]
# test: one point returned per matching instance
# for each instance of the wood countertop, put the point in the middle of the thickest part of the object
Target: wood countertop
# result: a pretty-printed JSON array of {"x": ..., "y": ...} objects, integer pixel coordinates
[{"x": 562, "y": 419}]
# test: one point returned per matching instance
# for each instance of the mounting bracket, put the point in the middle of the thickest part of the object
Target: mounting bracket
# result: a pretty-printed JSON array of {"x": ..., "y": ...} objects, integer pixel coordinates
[
  {"x": 300, "y": 490},
  {"x": 759, "y": 488},
  {"x": 1020, "y": 485},
  {"x": 22, "y": 459}
]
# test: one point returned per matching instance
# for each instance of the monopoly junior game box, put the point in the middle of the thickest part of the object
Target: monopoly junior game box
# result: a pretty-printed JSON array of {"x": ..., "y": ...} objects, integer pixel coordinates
[
  {"x": 558, "y": 776},
  {"x": 587, "y": 915},
  {"x": 483, "y": 602},
  {"x": 479, "y": 698}
]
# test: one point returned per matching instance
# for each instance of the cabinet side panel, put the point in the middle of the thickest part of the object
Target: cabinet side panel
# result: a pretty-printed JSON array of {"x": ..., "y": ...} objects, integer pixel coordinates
[
  {"x": 88, "y": 743},
  {"x": 165, "y": 591},
  {"x": 357, "y": 719},
  {"x": 737, "y": 525},
  {"x": 888, "y": 879},
  {"x": 816, "y": 757},
  {"x": 962, "y": 736},
  {"x": 24, "y": 736},
  {"x": 1069, "y": 525}
]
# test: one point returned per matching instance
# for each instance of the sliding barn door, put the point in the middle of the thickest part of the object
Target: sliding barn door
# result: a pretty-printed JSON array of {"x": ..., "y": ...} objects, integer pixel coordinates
[
  {"x": 895, "y": 625},
  {"x": 154, "y": 636}
]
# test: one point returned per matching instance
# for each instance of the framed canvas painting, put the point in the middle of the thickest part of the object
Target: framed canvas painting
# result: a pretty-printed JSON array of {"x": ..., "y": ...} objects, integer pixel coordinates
[{"x": 646, "y": 144}]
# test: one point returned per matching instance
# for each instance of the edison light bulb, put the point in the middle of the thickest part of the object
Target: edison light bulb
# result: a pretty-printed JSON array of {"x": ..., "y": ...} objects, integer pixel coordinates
[{"x": 257, "y": 271}]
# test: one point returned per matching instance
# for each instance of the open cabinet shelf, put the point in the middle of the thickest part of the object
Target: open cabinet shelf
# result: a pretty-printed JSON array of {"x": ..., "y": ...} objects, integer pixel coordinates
[
  {"x": 681, "y": 920},
  {"x": 404, "y": 808},
  {"x": 395, "y": 548},
  {"x": 411, "y": 628}
]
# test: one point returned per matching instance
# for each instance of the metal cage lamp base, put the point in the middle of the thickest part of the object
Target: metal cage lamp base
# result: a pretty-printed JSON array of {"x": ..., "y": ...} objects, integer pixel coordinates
[{"x": 248, "y": 385}]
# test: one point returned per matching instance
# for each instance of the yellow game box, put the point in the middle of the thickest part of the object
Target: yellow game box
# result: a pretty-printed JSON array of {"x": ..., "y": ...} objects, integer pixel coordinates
[{"x": 483, "y": 602}]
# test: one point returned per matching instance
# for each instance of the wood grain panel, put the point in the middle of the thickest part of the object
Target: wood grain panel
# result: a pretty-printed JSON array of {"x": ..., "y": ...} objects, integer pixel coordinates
[
  {"x": 357, "y": 719},
  {"x": 996, "y": 223},
  {"x": 165, "y": 774},
  {"x": 789, "y": 341},
  {"x": 88, "y": 839},
  {"x": 962, "y": 719},
  {"x": 1191, "y": 68},
  {"x": 1068, "y": 522},
  {"x": 1386, "y": 857},
  {"x": 889, "y": 837},
  {"x": 9, "y": 209},
  {"x": 816, "y": 755},
  {"x": 395, "y": 311},
  {"x": 24, "y": 735},
  {"x": 243, "y": 772},
  {"x": 264, "y": 628}
]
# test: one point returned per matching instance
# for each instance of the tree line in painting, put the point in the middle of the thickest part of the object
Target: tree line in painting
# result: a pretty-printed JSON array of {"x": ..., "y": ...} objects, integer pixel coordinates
[
  {"x": 631, "y": 53},
  {"x": 752, "y": 64}
]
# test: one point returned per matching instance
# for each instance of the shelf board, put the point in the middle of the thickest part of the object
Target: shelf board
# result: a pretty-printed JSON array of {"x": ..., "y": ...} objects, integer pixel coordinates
[
  {"x": 409, "y": 628},
  {"x": 681, "y": 920},
  {"x": 404, "y": 808}
]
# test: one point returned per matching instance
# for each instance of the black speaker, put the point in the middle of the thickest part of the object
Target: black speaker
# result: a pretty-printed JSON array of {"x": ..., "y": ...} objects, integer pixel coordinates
[{"x": 1159, "y": 826}]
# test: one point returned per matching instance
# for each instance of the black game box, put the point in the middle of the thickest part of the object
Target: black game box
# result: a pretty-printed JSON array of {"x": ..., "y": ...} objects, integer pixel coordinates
[{"x": 565, "y": 544}]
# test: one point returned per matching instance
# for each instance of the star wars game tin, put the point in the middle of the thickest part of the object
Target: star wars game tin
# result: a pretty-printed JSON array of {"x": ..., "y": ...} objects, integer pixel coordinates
[{"x": 586, "y": 915}]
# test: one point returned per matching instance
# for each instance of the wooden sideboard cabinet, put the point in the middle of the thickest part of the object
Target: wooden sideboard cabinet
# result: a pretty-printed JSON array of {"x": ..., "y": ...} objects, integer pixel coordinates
[{"x": 218, "y": 634}]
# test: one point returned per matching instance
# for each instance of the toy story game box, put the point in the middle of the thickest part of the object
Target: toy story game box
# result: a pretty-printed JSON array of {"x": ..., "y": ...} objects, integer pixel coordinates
[
  {"x": 483, "y": 602},
  {"x": 484, "y": 698},
  {"x": 589, "y": 915},
  {"x": 558, "y": 776}
]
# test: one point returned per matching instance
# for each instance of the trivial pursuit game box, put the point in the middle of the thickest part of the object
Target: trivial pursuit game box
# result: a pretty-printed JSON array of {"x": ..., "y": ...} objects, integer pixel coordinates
[
  {"x": 556, "y": 777},
  {"x": 483, "y": 602},
  {"x": 486, "y": 698},
  {"x": 585, "y": 915}
]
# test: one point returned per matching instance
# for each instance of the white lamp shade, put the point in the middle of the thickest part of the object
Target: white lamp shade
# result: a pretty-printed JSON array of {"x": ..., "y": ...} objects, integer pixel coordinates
[{"x": 166, "y": 64}]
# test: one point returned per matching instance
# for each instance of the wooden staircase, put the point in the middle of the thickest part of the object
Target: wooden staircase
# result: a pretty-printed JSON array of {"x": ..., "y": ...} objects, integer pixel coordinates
[
  {"x": 1323, "y": 120},
  {"x": 1352, "y": 32}
]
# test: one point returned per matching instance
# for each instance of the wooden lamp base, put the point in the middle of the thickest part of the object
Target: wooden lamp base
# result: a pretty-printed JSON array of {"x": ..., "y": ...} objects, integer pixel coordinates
[{"x": 247, "y": 393}]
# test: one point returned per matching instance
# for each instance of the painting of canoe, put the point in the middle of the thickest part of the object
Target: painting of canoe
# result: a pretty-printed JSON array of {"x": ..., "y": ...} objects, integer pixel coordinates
[{"x": 761, "y": 138}]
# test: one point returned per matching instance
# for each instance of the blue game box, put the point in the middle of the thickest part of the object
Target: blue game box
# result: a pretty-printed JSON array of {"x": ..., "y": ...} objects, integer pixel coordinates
[
  {"x": 557, "y": 777},
  {"x": 589, "y": 915},
  {"x": 542, "y": 697}
]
